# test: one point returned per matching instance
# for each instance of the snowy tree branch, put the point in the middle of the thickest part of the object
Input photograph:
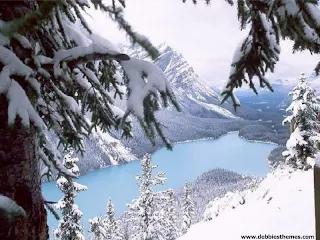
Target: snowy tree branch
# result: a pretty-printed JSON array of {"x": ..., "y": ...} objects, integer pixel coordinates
[
  {"x": 84, "y": 54},
  {"x": 116, "y": 13}
]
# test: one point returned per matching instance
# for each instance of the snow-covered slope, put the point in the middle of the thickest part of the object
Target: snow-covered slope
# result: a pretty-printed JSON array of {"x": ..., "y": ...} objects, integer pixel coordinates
[
  {"x": 101, "y": 150},
  {"x": 281, "y": 204},
  {"x": 194, "y": 97}
]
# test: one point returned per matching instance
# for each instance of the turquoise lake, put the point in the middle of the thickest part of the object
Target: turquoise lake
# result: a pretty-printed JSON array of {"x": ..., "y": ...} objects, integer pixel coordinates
[{"x": 185, "y": 163}]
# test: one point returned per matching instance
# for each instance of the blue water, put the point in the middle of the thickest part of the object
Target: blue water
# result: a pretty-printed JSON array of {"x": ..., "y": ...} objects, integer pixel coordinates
[{"x": 185, "y": 163}]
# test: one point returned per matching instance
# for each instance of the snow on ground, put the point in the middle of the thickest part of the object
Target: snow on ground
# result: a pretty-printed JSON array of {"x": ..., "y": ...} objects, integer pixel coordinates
[{"x": 281, "y": 204}]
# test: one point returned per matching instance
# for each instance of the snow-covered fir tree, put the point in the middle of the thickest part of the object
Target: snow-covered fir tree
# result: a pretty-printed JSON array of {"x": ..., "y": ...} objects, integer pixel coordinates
[
  {"x": 70, "y": 227},
  {"x": 302, "y": 145},
  {"x": 106, "y": 228},
  {"x": 97, "y": 228},
  {"x": 170, "y": 217},
  {"x": 145, "y": 211},
  {"x": 110, "y": 224},
  {"x": 124, "y": 223},
  {"x": 187, "y": 208}
]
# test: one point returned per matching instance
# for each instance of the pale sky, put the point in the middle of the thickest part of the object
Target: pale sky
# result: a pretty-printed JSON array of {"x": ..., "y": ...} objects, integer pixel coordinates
[{"x": 206, "y": 36}]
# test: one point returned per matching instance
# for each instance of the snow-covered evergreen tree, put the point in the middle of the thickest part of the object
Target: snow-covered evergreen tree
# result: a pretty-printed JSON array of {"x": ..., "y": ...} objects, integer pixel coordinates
[
  {"x": 110, "y": 224},
  {"x": 70, "y": 227},
  {"x": 145, "y": 210},
  {"x": 97, "y": 228},
  {"x": 124, "y": 223},
  {"x": 170, "y": 217},
  {"x": 187, "y": 208},
  {"x": 106, "y": 228},
  {"x": 302, "y": 145}
]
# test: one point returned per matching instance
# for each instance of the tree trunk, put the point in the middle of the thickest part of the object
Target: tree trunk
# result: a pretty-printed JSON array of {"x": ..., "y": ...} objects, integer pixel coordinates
[
  {"x": 292, "y": 126},
  {"x": 19, "y": 166}
]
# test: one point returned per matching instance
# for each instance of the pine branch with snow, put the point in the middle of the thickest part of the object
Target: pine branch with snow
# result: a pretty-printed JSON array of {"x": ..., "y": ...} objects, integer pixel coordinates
[
  {"x": 9, "y": 209},
  {"x": 70, "y": 225},
  {"x": 258, "y": 52},
  {"x": 302, "y": 145}
]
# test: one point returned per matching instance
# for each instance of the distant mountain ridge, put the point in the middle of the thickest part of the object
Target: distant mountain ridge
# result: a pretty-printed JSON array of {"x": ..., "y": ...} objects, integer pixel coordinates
[
  {"x": 201, "y": 116},
  {"x": 195, "y": 97}
]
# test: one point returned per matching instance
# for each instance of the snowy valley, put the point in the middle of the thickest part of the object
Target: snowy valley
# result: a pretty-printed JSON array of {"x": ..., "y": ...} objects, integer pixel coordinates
[{"x": 201, "y": 117}]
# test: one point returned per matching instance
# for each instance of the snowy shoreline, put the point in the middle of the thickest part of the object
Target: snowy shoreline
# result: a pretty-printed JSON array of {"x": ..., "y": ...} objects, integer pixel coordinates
[
  {"x": 215, "y": 138},
  {"x": 187, "y": 141},
  {"x": 205, "y": 139},
  {"x": 258, "y": 141},
  {"x": 179, "y": 142}
]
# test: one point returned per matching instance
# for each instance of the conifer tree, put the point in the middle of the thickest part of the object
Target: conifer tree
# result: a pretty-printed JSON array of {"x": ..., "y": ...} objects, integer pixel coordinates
[
  {"x": 187, "y": 208},
  {"x": 97, "y": 228},
  {"x": 110, "y": 223},
  {"x": 70, "y": 225},
  {"x": 170, "y": 217},
  {"x": 145, "y": 212},
  {"x": 302, "y": 145},
  {"x": 124, "y": 223}
]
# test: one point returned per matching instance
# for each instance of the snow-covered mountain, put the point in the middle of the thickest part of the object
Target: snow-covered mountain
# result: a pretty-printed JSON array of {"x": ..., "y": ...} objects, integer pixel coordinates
[
  {"x": 282, "y": 204},
  {"x": 195, "y": 98},
  {"x": 201, "y": 116},
  {"x": 101, "y": 150}
]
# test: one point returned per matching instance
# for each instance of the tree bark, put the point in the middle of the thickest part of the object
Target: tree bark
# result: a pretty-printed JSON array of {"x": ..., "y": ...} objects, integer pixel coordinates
[{"x": 19, "y": 165}]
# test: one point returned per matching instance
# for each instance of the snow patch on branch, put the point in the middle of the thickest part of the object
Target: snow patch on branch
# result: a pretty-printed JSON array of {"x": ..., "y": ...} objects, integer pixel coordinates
[
  {"x": 81, "y": 51},
  {"x": 19, "y": 105},
  {"x": 9, "y": 209},
  {"x": 14, "y": 64},
  {"x": 144, "y": 78}
]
